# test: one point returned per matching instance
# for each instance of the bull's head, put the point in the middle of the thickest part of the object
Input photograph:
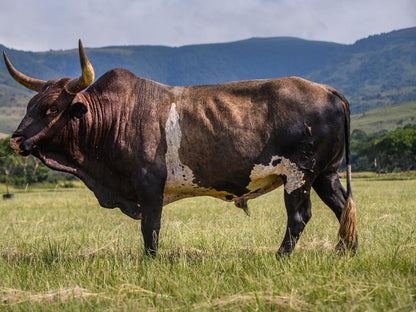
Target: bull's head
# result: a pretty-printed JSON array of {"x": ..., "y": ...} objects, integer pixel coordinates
[{"x": 50, "y": 109}]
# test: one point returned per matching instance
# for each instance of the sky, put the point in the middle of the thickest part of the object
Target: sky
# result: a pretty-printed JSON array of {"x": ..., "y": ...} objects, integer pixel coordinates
[{"x": 43, "y": 25}]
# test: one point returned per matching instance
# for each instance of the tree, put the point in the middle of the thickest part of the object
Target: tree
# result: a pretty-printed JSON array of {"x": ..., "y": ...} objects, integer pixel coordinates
[
  {"x": 384, "y": 151},
  {"x": 398, "y": 149}
]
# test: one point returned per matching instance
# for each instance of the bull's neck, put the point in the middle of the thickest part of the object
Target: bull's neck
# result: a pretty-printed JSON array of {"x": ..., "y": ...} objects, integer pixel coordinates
[
  {"x": 101, "y": 127},
  {"x": 117, "y": 123}
]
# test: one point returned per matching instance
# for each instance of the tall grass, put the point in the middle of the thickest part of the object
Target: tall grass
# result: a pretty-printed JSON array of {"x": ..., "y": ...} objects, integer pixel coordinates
[{"x": 60, "y": 251}]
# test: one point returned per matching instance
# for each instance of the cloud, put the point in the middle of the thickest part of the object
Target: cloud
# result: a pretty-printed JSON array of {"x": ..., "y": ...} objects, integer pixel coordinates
[{"x": 50, "y": 24}]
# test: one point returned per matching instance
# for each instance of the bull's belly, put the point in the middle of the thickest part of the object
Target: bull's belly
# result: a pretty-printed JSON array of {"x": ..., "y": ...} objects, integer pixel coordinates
[
  {"x": 176, "y": 190},
  {"x": 263, "y": 178}
]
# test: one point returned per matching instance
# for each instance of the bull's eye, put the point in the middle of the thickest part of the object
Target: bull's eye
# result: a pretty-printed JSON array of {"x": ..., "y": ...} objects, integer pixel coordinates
[{"x": 53, "y": 110}]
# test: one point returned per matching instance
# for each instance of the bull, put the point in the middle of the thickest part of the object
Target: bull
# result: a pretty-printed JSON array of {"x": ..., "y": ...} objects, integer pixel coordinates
[{"x": 139, "y": 145}]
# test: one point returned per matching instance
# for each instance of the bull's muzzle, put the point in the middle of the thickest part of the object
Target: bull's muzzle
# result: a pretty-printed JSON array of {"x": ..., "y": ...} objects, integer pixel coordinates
[{"x": 16, "y": 143}]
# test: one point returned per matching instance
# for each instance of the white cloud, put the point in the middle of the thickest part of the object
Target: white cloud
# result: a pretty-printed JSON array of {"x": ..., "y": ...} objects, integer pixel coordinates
[{"x": 41, "y": 25}]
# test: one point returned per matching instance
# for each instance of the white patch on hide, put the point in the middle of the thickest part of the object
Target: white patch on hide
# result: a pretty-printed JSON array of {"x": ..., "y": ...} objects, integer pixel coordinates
[
  {"x": 179, "y": 175},
  {"x": 261, "y": 176}
]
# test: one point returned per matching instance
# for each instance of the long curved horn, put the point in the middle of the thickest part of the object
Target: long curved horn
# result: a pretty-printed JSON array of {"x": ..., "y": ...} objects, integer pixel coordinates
[
  {"x": 27, "y": 82},
  {"x": 78, "y": 84}
]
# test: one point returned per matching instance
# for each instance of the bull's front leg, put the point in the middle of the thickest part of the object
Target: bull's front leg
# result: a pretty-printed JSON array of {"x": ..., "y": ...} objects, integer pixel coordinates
[
  {"x": 150, "y": 192},
  {"x": 150, "y": 226}
]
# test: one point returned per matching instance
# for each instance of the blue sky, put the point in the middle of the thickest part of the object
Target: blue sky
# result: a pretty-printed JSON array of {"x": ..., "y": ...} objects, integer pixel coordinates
[{"x": 50, "y": 24}]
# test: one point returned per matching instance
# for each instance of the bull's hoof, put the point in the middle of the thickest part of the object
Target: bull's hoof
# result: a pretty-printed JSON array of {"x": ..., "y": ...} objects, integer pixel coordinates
[
  {"x": 150, "y": 253},
  {"x": 241, "y": 203},
  {"x": 283, "y": 254},
  {"x": 8, "y": 196}
]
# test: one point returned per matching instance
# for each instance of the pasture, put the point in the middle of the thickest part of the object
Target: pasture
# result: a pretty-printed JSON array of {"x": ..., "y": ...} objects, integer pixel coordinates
[{"x": 60, "y": 251}]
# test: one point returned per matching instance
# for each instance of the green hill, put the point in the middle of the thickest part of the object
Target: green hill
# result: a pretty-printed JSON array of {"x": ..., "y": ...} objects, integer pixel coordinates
[
  {"x": 13, "y": 104},
  {"x": 385, "y": 118},
  {"x": 373, "y": 72}
]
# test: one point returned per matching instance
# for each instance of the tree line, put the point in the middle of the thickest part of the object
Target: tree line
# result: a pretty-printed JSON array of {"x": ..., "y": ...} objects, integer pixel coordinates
[{"x": 382, "y": 152}]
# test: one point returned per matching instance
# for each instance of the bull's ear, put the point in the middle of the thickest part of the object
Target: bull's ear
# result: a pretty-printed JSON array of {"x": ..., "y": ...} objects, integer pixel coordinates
[{"x": 78, "y": 109}]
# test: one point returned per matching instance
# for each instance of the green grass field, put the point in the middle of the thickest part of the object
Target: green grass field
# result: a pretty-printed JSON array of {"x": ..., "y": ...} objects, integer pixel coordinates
[{"x": 60, "y": 251}]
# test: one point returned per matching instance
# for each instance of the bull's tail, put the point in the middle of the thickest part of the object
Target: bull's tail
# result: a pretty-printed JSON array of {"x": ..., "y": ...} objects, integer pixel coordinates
[{"x": 347, "y": 232}]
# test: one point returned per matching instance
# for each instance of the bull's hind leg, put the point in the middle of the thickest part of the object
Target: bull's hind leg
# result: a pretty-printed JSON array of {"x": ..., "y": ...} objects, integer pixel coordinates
[
  {"x": 330, "y": 190},
  {"x": 298, "y": 207}
]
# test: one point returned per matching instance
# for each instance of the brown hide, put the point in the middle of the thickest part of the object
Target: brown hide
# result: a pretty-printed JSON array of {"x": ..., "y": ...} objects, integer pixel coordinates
[{"x": 229, "y": 128}]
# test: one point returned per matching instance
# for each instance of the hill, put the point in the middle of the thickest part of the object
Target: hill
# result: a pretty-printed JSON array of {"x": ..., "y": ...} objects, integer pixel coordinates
[
  {"x": 385, "y": 118},
  {"x": 377, "y": 71}
]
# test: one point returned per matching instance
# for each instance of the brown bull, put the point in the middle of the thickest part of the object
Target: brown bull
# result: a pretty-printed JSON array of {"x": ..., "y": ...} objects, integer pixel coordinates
[{"x": 138, "y": 144}]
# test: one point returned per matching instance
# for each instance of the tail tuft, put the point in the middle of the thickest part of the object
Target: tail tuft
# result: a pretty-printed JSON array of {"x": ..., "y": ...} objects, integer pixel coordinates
[{"x": 347, "y": 233}]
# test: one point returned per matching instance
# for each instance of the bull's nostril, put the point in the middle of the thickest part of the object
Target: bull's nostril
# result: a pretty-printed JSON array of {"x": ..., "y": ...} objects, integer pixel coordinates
[
  {"x": 18, "y": 139},
  {"x": 15, "y": 143}
]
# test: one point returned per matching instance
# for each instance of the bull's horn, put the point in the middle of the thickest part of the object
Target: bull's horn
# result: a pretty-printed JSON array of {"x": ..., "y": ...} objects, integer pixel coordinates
[
  {"x": 27, "y": 82},
  {"x": 87, "y": 77}
]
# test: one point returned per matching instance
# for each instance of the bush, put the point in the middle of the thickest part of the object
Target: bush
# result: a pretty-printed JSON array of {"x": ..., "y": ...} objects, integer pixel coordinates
[{"x": 391, "y": 151}]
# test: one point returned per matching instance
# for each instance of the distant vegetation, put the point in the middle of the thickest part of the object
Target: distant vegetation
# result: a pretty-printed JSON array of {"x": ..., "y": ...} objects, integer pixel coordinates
[
  {"x": 384, "y": 139},
  {"x": 393, "y": 151},
  {"x": 385, "y": 118},
  {"x": 12, "y": 109}
]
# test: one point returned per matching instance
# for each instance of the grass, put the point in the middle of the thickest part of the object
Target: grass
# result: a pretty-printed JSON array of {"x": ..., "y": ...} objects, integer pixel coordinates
[{"x": 60, "y": 251}]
